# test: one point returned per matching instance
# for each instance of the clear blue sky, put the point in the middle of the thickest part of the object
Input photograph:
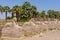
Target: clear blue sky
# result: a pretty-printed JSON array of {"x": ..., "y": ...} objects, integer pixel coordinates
[{"x": 40, "y": 4}]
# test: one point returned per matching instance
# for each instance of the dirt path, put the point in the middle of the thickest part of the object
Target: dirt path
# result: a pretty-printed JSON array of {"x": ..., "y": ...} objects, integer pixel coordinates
[{"x": 52, "y": 35}]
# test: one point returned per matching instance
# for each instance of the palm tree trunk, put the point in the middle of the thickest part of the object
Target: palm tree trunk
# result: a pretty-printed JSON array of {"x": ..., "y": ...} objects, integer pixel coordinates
[
  {"x": 12, "y": 15},
  {"x": 1, "y": 11},
  {"x": 17, "y": 16},
  {"x": 6, "y": 15}
]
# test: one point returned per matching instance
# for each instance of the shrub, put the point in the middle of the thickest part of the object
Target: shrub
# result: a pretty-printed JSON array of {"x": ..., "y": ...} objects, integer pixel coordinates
[
  {"x": 24, "y": 19},
  {"x": 9, "y": 17},
  {"x": 50, "y": 29}
]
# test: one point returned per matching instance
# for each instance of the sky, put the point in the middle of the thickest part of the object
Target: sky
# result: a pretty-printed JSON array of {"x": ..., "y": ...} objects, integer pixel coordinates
[{"x": 40, "y": 4}]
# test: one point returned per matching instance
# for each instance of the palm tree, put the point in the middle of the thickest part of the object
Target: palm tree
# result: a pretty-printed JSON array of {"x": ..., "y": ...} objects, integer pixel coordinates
[
  {"x": 13, "y": 12},
  {"x": 17, "y": 9},
  {"x": 51, "y": 13},
  {"x": 26, "y": 5},
  {"x": 43, "y": 14},
  {"x": 34, "y": 11},
  {"x": 6, "y": 10},
  {"x": 1, "y": 9},
  {"x": 27, "y": 8}
]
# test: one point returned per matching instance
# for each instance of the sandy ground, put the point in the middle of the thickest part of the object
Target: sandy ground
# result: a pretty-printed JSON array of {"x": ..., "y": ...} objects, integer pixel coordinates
[{"x": 51, "y": 35}]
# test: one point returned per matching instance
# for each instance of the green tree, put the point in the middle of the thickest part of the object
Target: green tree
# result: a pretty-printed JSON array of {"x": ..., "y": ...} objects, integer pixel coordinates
[
  {"x": 17, "y": 9},
  {"x": 26, "y": 5},
  {"x": 43, "y": 14},
  {"x": 57, "y": 14},
  {"x": 6, "y": 10},
  {"x": 54, "y": 14},
  {"x": 27, "y": 9},
  {"x": 1, "y": 9},
  {"x": 51, "y": 13},
  {"x": 38, "y": 15},
  {"x": 34, "y": 11}
]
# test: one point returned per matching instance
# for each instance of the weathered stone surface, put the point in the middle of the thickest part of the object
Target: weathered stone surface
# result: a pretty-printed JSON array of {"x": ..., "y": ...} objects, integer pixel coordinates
[{"x": 10, "y": 31}]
